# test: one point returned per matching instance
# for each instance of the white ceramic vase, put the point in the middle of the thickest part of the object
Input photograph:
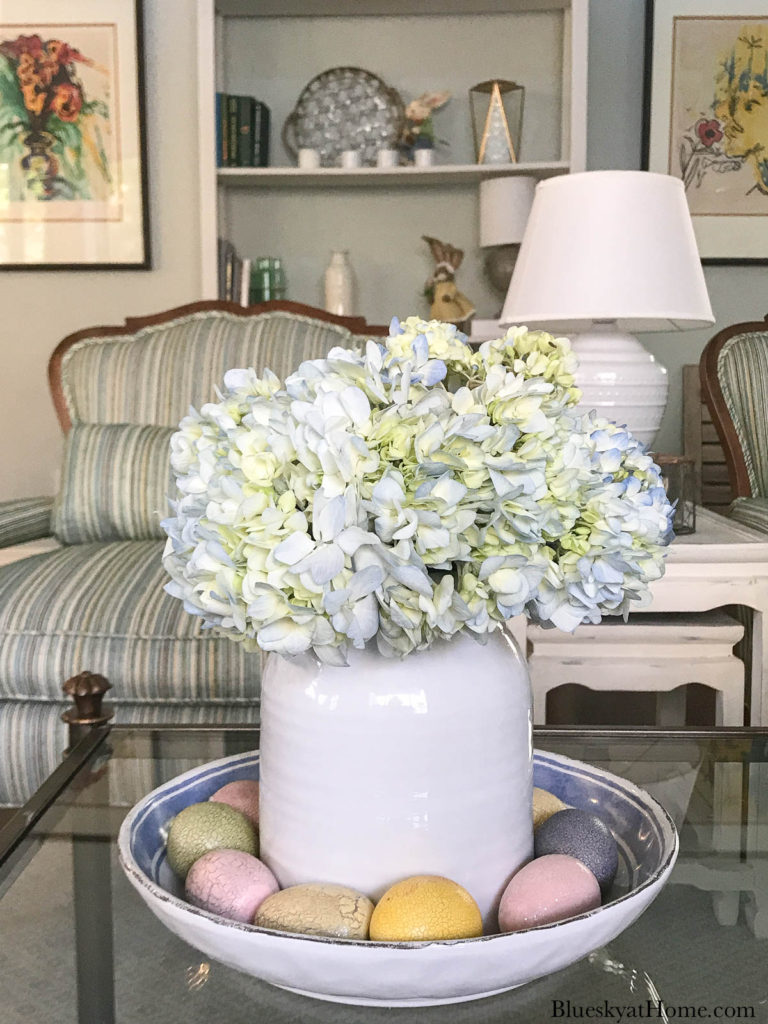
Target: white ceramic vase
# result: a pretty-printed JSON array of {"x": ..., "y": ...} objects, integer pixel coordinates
[
  {"x": 393, "y": 768},
  {"x": 339, "y": 284}
]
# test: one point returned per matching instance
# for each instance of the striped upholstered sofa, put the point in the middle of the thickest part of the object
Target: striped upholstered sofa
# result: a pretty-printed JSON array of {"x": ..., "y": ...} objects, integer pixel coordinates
[
  {"x": 734, "y": 384},
  {"x": 81, "y": 580}
]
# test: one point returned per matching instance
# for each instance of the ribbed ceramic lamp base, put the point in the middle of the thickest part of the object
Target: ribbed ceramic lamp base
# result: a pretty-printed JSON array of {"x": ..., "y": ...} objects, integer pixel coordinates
[{"x": 621, "y": 381}]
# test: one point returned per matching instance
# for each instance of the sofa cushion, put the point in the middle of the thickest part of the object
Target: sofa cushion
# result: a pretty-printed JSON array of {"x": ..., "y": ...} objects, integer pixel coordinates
[
  {"x": 102, "y": 608},
  {"x": 33, "y": 739},
  {"x": 115, "y": 483}
]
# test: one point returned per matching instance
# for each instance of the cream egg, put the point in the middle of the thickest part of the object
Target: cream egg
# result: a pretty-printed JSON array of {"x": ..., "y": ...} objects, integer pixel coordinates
[
  {"x": 317, "y": 909},
  {"x": 545, "y": 804}
]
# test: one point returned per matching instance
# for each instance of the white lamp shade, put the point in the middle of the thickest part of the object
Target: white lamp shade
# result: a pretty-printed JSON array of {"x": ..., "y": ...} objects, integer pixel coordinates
[
  {"x": 609, "y": 245},
  {"x": 505, "y": 204}
]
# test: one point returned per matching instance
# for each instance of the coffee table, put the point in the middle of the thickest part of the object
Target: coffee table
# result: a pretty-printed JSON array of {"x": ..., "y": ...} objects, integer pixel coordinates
[{"x": 78, "y": 945}]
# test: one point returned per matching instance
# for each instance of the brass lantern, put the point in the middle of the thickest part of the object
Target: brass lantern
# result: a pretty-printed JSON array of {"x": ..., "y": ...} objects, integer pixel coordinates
[{"x": 497, "y": 120}]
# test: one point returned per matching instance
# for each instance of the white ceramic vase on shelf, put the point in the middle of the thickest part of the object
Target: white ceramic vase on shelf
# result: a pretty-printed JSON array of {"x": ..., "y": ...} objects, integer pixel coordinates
[
  {"x": 390, "y": 768},
  {"x": 339, "y": 284}
]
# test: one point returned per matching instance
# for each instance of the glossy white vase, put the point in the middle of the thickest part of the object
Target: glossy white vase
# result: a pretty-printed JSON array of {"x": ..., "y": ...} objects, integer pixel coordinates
[
  {"x": 339, "y": 284},
  {"x": 392, "y": 768}
]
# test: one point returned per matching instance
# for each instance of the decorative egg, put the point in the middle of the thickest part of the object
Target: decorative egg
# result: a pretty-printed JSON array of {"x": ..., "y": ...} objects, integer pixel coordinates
[
  {"x": 317, "y": 908},
  {"x": 230, "y": 883},
  {"x": 583, "y": 835},
  {"x": 545, "y": 804},
  {"x": 545, "y": 890},
  {"x": 423, "y": 908},
  {"x": 243, "y": 796},
  {"x": 207, "y": 826}
]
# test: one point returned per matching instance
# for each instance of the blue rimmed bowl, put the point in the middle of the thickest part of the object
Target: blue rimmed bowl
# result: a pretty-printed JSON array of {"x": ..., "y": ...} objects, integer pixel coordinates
[{"x": 407, "y": 974}]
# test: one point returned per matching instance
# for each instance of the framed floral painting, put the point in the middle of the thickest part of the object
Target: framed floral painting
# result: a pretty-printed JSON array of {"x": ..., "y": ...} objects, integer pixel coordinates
[
  {"x": 707, "y": 118},
  {"x": 73, "y": 190}
]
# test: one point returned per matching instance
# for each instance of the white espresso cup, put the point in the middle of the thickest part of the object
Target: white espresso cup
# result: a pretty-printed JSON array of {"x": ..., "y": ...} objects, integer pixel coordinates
[
  {"x": 423, "y": 157},
  {"x": 309, "y": 158},
  {"x": 386, "y": 158},
  {"x": 350, "y": 158}
]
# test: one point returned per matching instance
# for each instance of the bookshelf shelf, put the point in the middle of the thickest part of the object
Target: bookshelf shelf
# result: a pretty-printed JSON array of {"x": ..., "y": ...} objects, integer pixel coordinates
[
  {"x": 374, "y": 177},
  {"x": 378, "y": 8},
  {"x": 270, "y": 50}
]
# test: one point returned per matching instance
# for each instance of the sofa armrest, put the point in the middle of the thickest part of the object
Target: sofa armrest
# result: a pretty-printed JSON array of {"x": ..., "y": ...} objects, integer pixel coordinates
[
  {"x": 24, "y": 519},
  {"x": 16, "y": 552},
  {"x": 751, "y": 512}
]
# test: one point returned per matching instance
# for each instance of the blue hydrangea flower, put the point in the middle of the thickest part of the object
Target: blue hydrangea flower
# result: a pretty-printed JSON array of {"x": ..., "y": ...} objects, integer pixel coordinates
[{"x": 406, "y": 492}]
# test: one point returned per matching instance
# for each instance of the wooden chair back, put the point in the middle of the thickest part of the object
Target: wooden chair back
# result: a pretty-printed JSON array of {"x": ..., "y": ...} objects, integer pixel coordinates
[{"x": 701, "y": 443}]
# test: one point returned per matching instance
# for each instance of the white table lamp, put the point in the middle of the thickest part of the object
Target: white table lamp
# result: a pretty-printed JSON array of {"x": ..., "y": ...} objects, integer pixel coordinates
[
  {"x": 505, "y": 204},
  {"x": 606, "y": 253}
]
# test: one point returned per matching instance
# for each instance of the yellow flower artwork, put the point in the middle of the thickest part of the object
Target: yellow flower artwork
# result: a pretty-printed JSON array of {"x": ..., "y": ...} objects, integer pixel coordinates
[
  {"x": 57, "y": 144},
  {"x": 719, "y": 122}
]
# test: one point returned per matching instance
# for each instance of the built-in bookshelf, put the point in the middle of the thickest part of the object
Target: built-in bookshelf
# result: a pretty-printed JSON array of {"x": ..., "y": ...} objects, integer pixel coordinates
[{"x": 270, "y": 49}]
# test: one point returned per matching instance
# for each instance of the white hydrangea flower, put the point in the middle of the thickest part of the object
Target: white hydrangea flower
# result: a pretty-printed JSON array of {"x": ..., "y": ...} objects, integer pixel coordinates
[{"x": 407, "y": 492}]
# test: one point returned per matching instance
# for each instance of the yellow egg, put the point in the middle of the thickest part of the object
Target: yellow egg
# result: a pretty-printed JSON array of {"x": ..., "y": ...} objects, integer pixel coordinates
[
  {"x": 423, "y": 908},
  {"x": 545, "y": 804}
]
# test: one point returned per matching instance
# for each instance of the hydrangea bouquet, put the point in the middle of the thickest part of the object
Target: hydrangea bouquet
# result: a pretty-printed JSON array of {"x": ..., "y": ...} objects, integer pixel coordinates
[{"x": 401, "y": 494}]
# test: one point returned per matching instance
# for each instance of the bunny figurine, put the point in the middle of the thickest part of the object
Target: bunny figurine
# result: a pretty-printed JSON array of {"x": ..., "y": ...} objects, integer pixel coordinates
[{"x": 448, "y": 303}]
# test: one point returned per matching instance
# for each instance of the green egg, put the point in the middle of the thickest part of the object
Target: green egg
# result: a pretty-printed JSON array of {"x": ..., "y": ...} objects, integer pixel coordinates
[{"x": 207, "y": 826}]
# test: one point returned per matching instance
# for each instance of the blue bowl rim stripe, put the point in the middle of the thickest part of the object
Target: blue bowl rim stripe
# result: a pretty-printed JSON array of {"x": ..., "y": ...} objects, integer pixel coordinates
[{"x": 637, "y": 797}]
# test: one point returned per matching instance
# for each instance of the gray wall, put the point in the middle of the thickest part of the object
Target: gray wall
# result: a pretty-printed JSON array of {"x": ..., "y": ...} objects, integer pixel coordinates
[
  {"x": 40, "y": 307},
  {"x": 616, "y": 33}
]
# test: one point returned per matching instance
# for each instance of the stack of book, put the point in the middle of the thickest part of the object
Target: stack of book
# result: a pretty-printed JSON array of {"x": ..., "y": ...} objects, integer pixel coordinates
[
  {"x": 234, "y": 274},
  {"x": 242, "y": 131}
]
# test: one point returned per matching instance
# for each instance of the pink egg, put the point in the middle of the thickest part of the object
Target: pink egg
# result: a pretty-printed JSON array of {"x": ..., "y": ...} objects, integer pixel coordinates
[
  {"x": 243, "y": 796},
  {"x": 546, "y": 890},
  {"x": 230, "y": 883}
]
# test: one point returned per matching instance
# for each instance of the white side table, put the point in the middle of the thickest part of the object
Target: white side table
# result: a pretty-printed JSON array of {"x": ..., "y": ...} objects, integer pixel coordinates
[
  {"x": 722, "y": 563},
  {"x": 650, "y": 653}
]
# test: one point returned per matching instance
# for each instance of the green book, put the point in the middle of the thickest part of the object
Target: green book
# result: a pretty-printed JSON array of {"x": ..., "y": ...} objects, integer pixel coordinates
[
  {"x": 245, "y": 107},
  {"x": 232, "y": 107},
  {"x": 260, "y": 133}
]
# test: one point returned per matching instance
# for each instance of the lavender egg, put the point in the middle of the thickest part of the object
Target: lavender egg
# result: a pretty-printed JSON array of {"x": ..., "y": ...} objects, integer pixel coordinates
[
  {"x": 230, "y": 883},
  {"x": 547, "y": 890},
  {"x": 583, "y": 835},
  {"x": 243, "y": 796}
]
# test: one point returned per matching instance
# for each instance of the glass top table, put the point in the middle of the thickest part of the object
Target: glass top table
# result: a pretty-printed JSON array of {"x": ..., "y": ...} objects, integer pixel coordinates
[{"x": 78, "y": 946}]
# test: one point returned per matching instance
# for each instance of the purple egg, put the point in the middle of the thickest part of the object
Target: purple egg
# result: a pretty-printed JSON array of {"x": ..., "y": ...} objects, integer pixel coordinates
[
  {"x": 243, "y": 796},
  {"x": 230, "y": 883},
  {"x": 583, "y": 835},
  {"x": 546, "y": 890}
]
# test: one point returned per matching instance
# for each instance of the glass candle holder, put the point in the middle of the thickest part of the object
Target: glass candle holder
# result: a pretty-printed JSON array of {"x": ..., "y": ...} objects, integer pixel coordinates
[
  {"x": 678, "y": 475},
  {"x": 497, "y": 120}
]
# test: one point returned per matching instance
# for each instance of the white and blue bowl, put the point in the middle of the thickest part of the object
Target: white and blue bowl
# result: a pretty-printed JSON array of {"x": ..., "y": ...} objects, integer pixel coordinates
[{"x": 407, "y": 974}]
